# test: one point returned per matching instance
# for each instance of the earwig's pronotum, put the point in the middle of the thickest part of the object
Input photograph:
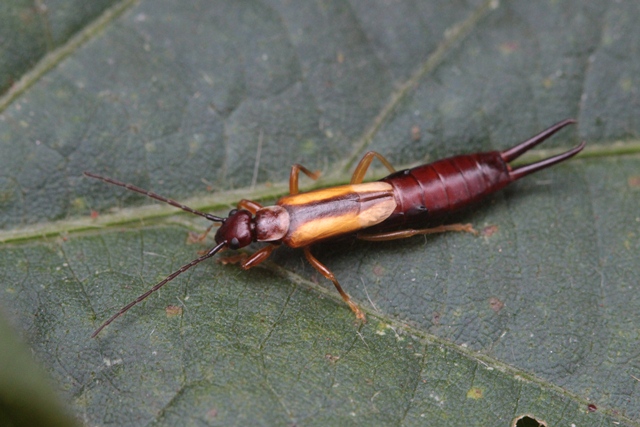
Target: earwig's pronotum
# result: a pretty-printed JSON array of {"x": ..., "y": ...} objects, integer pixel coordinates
[{"x": 387, "y": 209}]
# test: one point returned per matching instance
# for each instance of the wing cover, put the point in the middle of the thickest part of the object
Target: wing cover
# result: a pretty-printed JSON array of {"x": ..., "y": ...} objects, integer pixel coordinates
[{"x": 336, "y": 211}]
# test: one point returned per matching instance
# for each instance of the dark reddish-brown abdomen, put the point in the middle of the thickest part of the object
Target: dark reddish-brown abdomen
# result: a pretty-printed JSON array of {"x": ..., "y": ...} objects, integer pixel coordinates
[{"x": 430, "y": 191}]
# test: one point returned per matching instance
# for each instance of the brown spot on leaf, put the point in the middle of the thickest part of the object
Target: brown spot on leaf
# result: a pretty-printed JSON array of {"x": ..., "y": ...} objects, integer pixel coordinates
[
  {"x": 474, "y": 393},
  {"x": 212, "y": 413},
  {"x": 378, "y": 270},
  {"x": 331, "y": 358},
  {"x": 173, "y": 310},
  {"x": 495, "y": 304},
  {"x": 509, "y": 47},
  {"x": 435, "y": 319},
  {"x": 415, "y": 133},
  {"x": 634, "y": 181},
  {"x": 490, "y": 230}
]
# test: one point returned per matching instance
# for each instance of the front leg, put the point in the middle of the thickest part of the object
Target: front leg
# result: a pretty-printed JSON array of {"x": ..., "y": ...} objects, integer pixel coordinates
[
  {"x": 249, "y": 205},
  {"x": 199, "y": 237},
  {"x": 293, "y": 177},
  {"x": 246, "y": 261},
  {"x": 258, "y": 257}
]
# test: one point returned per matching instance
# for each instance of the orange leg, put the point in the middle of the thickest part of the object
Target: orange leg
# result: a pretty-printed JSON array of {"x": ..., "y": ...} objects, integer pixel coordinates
[
  {"x": 403, "y": 234},
  {"x": 232, "y": 259},
  {"x": 249, "y": 205},
  {"x": 258, "y": 257},
  {"x": 197, "y": 238},
  {"x": 293, "y": 177},
  {"x": 246, "y": 261},
  {"x": 365, "y": 162},
  {"x": 329, "y": 275}
]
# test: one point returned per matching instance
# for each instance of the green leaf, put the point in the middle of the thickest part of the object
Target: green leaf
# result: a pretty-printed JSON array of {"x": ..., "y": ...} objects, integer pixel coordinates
[
  {"x": 32, "y": 29},
  {"x": 26, "y": 397},
  {"x": 209, "y": 102}
]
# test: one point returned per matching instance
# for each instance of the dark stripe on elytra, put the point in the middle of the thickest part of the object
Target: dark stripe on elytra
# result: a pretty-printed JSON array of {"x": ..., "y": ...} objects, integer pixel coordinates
[{"x": 330, "y": 207}]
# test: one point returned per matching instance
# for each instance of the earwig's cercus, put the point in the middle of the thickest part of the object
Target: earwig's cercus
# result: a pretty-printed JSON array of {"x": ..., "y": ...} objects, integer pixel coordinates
[{"x": 392, "y": 208}]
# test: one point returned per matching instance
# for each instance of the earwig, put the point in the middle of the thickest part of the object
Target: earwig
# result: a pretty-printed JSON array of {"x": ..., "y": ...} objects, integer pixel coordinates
[{"x": 388, "y": 209}]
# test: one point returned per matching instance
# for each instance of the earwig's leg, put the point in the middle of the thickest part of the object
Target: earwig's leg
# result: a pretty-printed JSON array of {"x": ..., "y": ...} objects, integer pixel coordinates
[
  {"x": 232, "y": 259},
  {"x": 246, "y": 261},
  {"x": 258, "y": 257},
  {"x": 329, "y": 275},
  {"x": 365, "y": 162},
  {"x": 249, "y": 205},
  {"x": 197, "y": 238},
  {"x": 293, "y": 177},
  {"x": 403, "y": 234}
]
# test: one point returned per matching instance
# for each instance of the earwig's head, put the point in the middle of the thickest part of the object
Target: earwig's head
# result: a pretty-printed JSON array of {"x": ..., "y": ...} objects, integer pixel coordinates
[{"x": 237, "y": 230}]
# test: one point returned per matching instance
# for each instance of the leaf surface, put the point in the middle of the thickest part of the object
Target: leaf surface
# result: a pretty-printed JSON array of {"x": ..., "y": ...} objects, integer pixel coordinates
[{"x": 537, "y": 316}]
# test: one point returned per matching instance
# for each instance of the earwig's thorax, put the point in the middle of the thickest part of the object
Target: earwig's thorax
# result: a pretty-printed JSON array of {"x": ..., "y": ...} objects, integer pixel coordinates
[
  {"x": 237, "y": 230},
  {"x": 271, "y": 223}
]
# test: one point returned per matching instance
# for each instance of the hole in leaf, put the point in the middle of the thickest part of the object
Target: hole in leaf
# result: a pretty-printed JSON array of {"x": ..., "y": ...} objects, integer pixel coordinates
[{"x": 528, "y": 421}]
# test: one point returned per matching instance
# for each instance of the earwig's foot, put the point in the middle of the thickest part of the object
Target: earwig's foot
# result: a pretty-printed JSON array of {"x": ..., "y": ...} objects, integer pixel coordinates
[
  {"x": 247, "y": 261},
  {"x": 194, "y": 237},
  {"x": 468, "y": 228},
  {"x": 197, "y": 238},
  {"x": 329, "y": 275},
  {"x": 233, "y": 259},
  {"x": 359, "y": 313}
]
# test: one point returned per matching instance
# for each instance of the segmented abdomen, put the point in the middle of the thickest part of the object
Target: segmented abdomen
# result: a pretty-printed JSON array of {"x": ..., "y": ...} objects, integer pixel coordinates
[{"x": 430, "y": 191}]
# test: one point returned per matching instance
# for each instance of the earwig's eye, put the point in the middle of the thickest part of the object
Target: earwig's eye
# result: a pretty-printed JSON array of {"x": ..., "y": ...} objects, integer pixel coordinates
[
  {"x": 234, "y": 243},
  {"x": 232, "y": 212}
]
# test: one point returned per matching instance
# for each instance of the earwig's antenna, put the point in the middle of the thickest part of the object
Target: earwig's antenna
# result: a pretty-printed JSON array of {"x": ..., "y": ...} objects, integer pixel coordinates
[
  {"x": 173, "y": 275},
  {"x": 154, "y": 196},
  {"x": 167, "y": 279}
]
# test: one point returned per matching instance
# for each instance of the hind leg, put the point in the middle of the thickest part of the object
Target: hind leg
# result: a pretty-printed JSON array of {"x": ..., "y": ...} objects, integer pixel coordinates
[{"x": 403, "y": 234}]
